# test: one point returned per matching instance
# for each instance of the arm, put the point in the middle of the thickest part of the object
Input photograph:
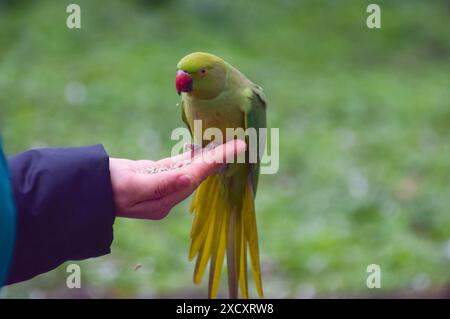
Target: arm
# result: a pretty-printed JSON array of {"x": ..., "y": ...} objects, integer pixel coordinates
[
  {"x": 65, "y": 208},
  {"x": 67, "y": 199}
]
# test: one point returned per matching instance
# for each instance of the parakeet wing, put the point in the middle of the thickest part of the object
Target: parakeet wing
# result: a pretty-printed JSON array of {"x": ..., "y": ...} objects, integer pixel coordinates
[
  {"x": 256, "y": 117},
  {"x": 183, "y": 115}
]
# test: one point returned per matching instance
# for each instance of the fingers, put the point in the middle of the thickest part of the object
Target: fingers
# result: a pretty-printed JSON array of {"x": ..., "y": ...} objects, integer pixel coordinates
[
  {"x": 212, "y": 160},
  {"x": 177, "y": 158},
  {"x": 159, "y": 185},
  {"x": 158, "y": 208},
  {"x": 158, "y": 193},
  {"x": 156, "y": 186},
  {"x": 207, "y": 154}
]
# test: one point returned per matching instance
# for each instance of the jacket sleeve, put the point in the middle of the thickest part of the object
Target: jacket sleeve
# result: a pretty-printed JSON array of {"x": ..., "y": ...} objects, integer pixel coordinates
[{"x": 65, "y": 208}]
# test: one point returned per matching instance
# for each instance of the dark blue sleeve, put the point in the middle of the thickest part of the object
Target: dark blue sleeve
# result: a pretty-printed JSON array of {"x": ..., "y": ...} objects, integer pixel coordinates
[{"x": 65, "y": 208}]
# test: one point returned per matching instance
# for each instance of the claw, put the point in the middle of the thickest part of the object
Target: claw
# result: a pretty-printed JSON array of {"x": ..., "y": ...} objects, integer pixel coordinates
[
  {"x": 191, "y": 147},
  {"x": 211, "y": 146}
]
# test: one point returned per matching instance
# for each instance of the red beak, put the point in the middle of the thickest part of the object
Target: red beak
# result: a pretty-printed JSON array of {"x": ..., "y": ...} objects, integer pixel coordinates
[{"x": 183, "y": 82}]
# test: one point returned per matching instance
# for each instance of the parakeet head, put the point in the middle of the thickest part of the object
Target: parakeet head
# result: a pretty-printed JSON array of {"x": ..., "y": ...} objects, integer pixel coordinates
[{"x": 201, "y": 75}]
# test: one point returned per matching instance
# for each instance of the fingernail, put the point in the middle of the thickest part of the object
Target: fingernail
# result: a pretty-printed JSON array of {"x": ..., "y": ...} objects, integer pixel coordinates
[{"x": 184, "y": 181}]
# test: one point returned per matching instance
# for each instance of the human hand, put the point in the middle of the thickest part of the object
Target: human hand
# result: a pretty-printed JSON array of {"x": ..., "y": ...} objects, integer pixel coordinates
[{"x": 146, "y": 193}]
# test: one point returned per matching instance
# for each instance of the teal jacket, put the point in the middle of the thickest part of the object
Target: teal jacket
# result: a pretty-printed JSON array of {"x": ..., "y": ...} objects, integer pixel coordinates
[{"x": 7, "y": 219}]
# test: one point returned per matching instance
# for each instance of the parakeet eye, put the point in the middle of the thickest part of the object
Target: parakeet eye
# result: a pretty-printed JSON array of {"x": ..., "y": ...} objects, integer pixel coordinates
[{"x": 202, "y": 72}]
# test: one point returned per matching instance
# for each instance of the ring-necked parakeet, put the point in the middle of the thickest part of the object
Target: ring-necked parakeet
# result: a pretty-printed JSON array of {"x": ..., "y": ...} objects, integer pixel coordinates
[{"x": 224, "y": 212}]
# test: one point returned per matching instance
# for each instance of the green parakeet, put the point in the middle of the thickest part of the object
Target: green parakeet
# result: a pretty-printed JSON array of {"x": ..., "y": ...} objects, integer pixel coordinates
[{"x": 215, "y": 92}]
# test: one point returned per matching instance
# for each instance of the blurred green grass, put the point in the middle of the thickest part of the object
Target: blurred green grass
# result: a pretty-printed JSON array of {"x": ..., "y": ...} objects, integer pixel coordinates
[{"x": 364, "y": 118}]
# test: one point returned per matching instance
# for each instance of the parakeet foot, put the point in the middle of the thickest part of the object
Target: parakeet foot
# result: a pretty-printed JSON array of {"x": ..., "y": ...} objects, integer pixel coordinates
[
  {"x": 193, "y": 148},
  {"x": 211, "y": 146}
]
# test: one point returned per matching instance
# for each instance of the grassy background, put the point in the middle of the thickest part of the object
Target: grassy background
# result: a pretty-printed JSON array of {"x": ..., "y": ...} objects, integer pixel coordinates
[{"x": 364, "y": 118}]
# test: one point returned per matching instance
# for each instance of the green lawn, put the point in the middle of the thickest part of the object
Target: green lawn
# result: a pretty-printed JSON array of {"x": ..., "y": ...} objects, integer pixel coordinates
[{"x": 364, "y": 118}]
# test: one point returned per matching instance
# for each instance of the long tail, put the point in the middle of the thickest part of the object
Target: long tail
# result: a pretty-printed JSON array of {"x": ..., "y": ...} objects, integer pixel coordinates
[{"x": 220, "y": 226}]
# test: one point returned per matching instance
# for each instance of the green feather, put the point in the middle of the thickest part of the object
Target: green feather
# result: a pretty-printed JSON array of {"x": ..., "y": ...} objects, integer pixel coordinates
[{"x": 256, "y": 117}]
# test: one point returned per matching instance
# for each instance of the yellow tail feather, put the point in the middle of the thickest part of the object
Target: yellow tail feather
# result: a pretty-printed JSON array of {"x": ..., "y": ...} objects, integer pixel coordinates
[
  {"x": 251, "y": 234},
  {"x": 243, "y": 262},
  {"x": 219, "y": 227},
  {"x": 204, "y": 254},
  {"x": 218, "y": 253},
  {"x": 202, "y": 217}
]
